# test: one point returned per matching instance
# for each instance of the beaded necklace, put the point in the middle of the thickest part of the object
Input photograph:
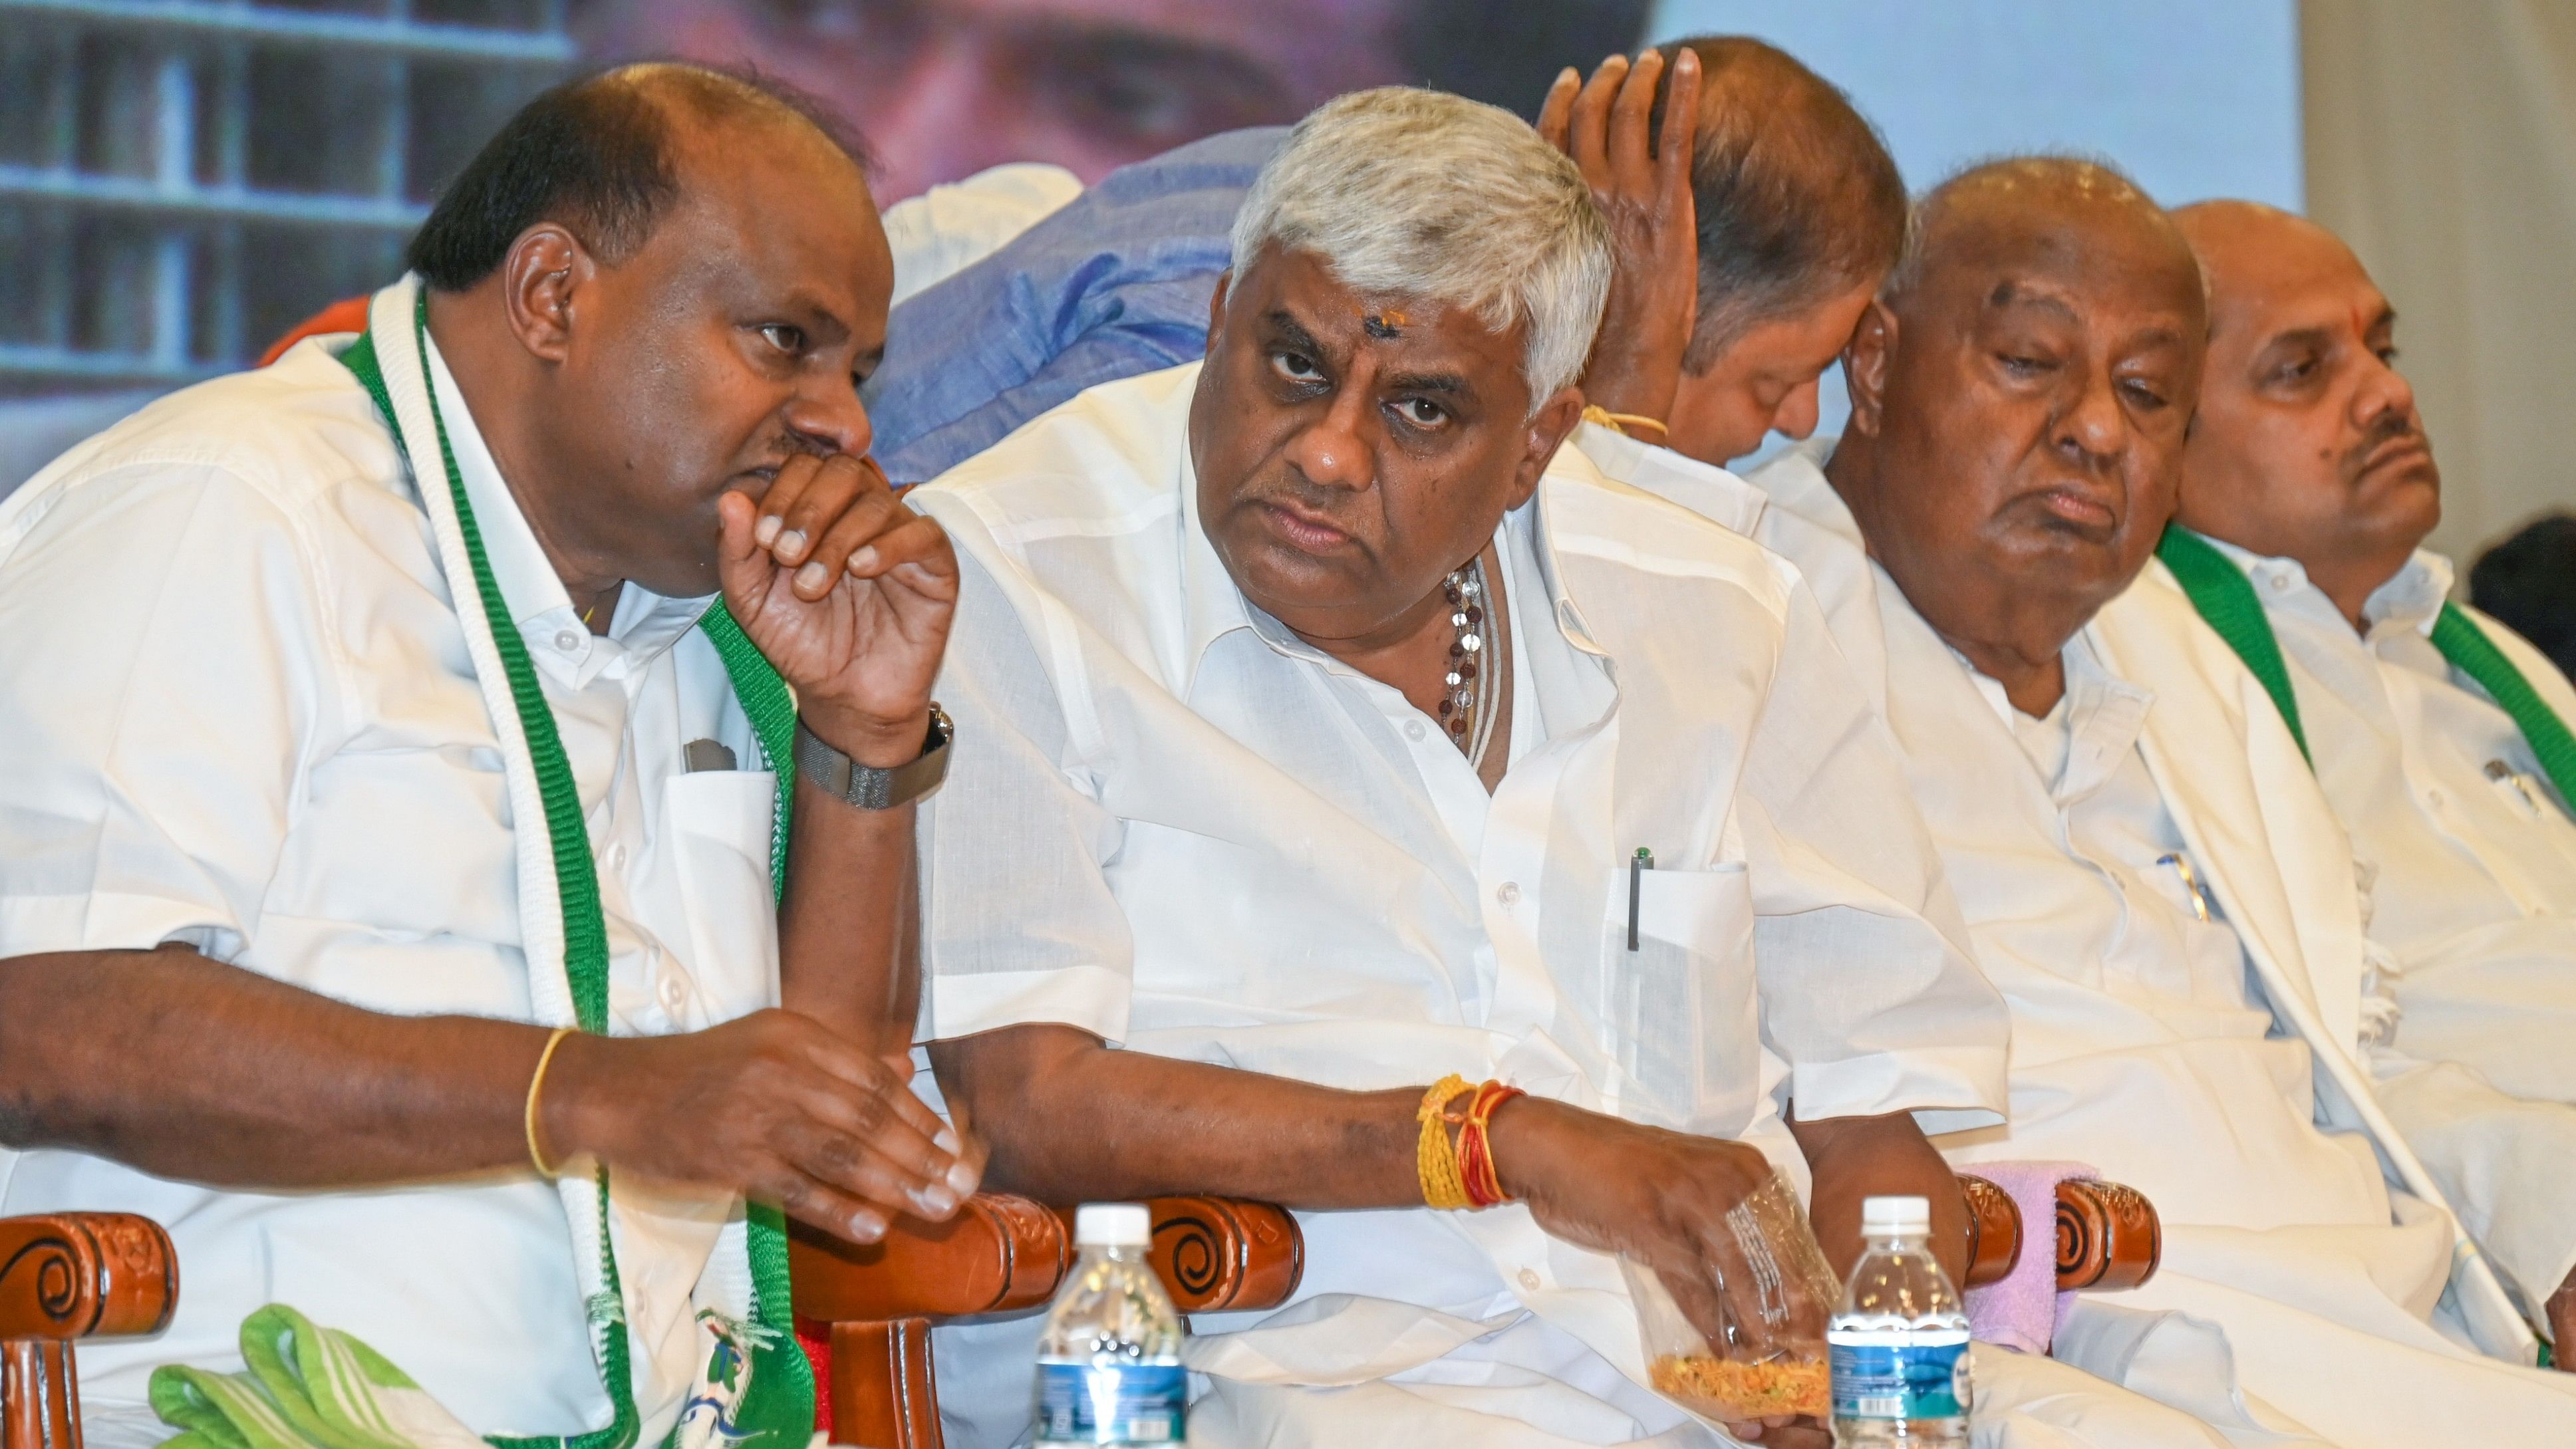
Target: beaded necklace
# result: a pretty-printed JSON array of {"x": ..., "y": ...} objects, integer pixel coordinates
[{"x": 1470, "y": 727}]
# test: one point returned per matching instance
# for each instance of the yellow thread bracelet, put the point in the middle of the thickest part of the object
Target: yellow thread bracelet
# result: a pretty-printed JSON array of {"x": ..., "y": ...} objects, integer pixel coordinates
[
  {"x": 1434, "y": 1158},
  {"x": 536, "y": 1080},
  {"x": 1622, "y": 422}
]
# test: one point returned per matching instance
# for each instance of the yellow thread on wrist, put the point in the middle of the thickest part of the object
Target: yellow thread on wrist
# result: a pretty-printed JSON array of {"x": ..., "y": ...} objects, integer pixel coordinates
[
  {"x": 1622, "y": 422},
  {"x": 537, "y": 1079},
  {"x": 1435, "y": 1159}
]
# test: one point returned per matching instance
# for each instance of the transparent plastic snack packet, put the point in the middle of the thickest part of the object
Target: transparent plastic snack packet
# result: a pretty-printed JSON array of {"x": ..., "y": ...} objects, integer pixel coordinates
[{"x": 1752, "y": 1346}]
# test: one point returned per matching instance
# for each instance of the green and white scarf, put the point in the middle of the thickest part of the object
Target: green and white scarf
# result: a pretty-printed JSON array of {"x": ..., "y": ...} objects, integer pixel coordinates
[
  {"x": 2225, "y": 598},
  {"x": 756, "y": 1387}
]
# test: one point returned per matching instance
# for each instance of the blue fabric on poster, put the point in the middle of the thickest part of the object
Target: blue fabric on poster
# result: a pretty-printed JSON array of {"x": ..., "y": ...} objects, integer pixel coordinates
[{"x": 1114, "y": 285}]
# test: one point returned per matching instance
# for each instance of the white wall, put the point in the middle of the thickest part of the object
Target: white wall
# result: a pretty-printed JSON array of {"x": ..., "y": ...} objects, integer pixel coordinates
[
  {"x": 2442, "y": 145},
  {"x": 2193, "y": 98}
]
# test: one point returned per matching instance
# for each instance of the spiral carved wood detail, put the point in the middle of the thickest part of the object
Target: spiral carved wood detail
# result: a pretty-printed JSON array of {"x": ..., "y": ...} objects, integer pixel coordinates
[
  {"x": 73, "y": 1275},
  {"x": 64, "y": 1277},
  {"x": 1215, "y": 1252},
  {"x": 2108, "y": 1236}
]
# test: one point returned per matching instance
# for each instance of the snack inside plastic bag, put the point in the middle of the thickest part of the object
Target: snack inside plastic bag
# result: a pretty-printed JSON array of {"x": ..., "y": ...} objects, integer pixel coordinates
[{"x": 1751, "y": 1345}]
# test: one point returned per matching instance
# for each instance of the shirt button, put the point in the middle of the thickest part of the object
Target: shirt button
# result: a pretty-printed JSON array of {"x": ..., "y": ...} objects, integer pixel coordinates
[
  {"x": 617, "y": 857},
  {"x": 1509, "y": 893},
  {"x": 567, "y": 641},
  {"x": 1529, "y": 1281},
  {"x": 675, "y": 994},
  {"x": 2280, "y": 583},
  {"x": 2433, "y": 798},
  {"x": 1413, "y": 730}
]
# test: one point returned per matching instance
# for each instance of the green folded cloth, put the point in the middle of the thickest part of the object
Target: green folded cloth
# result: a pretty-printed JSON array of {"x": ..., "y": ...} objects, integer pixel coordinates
[{"x": 306, "y": 1387}]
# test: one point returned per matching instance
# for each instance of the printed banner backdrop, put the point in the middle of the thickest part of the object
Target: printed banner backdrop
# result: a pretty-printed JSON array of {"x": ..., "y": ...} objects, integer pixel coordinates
[{"x": 180, "y": 183}]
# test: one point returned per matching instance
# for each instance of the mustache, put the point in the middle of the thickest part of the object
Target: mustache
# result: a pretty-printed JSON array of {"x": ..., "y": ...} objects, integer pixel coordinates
[
  {"x": 2389, "y": 427},
  {"x": 1290, "y": 486}
]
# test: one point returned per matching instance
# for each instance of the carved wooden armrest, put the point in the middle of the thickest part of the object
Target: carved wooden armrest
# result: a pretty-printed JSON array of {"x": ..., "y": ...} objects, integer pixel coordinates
[
  {"x": 70, "y": 1276},
  {"x": 2108, "y": 1235},
  {"x": 997, "y": 1255}
]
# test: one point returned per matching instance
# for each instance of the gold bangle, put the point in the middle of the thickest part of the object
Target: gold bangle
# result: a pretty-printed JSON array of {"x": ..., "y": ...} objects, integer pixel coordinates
[
  {"x": 1622, "y": 422},
  {"x": 1435, "y": 1160},
  {"x": 535, "y": 1080}
]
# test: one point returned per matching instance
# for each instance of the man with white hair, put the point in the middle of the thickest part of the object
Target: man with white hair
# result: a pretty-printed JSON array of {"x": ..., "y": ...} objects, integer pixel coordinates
[
  {"x": 2165, "y": 930},
  {"x": 1321, "y": 721}
]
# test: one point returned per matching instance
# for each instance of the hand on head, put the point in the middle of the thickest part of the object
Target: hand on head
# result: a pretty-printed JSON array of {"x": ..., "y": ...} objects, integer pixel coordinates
[
  {"x": 1642, "y": 182},
  {"x": 1755, "y": 213}
]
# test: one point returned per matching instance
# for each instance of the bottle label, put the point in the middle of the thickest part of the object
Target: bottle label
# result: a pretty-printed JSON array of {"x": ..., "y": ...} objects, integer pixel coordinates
[
  {"x": 1115, "y": 1403},
  {"x": 1895, "y": 1373}
]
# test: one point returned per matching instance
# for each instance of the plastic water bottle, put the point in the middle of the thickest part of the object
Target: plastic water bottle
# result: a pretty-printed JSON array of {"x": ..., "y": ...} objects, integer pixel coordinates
[
  {"x": 1109, "y": 1363},
  {"x": 1899, "y": 1344}
]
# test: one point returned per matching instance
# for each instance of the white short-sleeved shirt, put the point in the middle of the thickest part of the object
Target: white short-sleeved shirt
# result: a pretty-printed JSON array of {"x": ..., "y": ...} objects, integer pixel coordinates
[
  {"x": 2469, "y": 853},
  {"x": 1175, "y": 825},
  {"x": 242, "y": 717}
]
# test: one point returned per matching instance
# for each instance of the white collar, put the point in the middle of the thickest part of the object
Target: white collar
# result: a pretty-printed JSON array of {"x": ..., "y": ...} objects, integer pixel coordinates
[
  {"x": 2103, "y": 717},
  {"x": 1795, "y": 482},
  {"x": 2409, "y": 601}
]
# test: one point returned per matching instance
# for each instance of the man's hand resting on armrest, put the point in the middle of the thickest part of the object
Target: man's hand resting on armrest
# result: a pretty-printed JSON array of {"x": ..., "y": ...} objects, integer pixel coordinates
[
  {"x": 1069, "y": 1119},
  {"x": 1852, "y": 1158},
  {"x": 187, "y": 1068}
]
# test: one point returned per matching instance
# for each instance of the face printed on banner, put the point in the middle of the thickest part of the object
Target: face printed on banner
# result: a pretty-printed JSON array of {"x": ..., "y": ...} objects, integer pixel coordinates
[{"x": 944, "y": 88}]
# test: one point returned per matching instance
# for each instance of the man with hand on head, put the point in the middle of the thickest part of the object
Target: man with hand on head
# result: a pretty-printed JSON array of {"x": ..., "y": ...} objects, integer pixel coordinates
[
  {"x": 392, "y": 843},
  {"x": 2021, "y": 393},
  {"x": 2438, "y": 737},
  {"x": 1756, "y": 213},
  {"x": 1317, "y": 721},
  {"x": 1787, "y": 215}
]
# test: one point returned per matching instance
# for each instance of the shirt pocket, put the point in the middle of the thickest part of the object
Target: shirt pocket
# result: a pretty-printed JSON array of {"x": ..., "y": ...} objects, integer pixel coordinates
[
  {"x": 1680, "y": 1008},
  {"x": 719, "y": 823}
]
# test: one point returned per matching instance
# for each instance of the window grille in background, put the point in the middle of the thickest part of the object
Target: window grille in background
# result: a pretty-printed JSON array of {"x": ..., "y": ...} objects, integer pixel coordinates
[{"x": 183, "y": 180}]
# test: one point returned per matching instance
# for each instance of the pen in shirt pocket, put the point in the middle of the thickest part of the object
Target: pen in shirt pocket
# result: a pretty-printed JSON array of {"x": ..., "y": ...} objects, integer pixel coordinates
[
  {"x": 1638, "y": 864},
  {"x": 2190, "y": 882}
]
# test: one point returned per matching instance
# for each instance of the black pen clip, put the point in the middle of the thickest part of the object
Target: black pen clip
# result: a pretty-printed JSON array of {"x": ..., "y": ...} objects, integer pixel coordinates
[{"x": 1638, "y": 864}]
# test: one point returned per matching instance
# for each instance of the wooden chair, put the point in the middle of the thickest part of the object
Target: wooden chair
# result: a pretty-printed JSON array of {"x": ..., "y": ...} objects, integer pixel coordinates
[
  {"x": 1000, "y": 1254},
  {"x": 1003, "y": 1254},
  {"x": 2108, "y": 1236},
  {"x": 64, "y": 1277}
]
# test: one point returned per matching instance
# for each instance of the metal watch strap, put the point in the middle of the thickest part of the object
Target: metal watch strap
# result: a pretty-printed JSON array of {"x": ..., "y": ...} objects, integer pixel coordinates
[{"x": 866, "y": 786}]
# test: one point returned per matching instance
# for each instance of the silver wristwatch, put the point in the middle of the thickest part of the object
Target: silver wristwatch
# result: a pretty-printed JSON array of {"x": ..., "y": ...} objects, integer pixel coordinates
[{"x": 866, "y": 786}]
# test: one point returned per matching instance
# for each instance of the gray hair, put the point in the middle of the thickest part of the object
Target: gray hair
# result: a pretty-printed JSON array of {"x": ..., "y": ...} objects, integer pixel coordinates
[{"x": 1441, "y": 199}]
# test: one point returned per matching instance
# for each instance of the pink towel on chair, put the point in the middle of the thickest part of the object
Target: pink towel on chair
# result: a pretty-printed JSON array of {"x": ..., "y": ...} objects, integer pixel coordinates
[{"x": 2021, "y": 1311}]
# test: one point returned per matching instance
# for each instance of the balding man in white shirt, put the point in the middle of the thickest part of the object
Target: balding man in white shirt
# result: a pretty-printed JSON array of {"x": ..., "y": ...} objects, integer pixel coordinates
[
  {"x": 393, "y": 812},
  {"x": 2439, "y": 737},
  {"x": 2020, "y": 396},
  {"x": 1330, "y": 717}
]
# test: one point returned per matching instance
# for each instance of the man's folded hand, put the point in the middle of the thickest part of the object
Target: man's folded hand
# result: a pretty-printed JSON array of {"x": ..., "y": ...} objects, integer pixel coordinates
[{"x": 773, "y": 1105}]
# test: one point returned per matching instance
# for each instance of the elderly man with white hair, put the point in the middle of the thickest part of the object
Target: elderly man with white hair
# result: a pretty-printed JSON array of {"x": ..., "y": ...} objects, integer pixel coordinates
[{"x": 1320, "y": 720}]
